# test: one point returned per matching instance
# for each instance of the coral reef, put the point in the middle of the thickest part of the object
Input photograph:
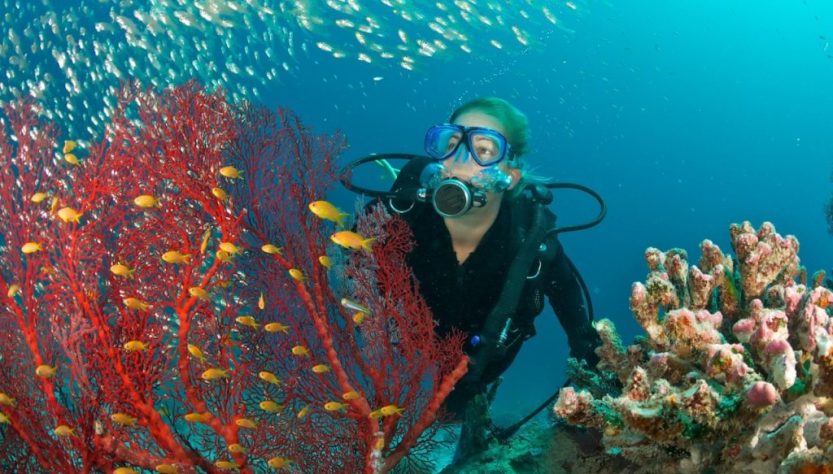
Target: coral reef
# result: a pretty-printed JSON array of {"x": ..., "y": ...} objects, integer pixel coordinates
[
  {"x": 545, "y": 448},
  {"x": 170, "y": 303},
  {"x": 734, "y": 372}
]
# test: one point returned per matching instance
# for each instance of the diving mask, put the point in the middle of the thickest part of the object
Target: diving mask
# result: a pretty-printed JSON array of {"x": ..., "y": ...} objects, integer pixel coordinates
[{"x": 487, "y": 147}]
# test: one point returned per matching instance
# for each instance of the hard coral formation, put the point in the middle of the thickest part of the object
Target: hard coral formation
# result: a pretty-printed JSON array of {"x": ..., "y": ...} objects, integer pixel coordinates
[{"x": 736, "y": 371}]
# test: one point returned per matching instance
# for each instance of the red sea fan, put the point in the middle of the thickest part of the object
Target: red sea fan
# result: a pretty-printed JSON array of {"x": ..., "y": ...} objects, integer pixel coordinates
[{"x": 144, "y": 323}]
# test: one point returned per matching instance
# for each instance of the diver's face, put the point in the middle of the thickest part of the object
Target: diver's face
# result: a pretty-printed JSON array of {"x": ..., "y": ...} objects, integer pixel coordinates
[{"x": 462, "y": 165}]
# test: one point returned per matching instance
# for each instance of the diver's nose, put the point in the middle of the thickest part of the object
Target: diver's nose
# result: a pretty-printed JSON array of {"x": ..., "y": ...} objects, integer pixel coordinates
[{"x": 461, "y": 154}]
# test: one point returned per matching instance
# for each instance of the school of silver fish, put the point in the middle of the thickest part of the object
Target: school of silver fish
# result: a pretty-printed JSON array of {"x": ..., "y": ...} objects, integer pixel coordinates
[{"x": 72, "y": 56}]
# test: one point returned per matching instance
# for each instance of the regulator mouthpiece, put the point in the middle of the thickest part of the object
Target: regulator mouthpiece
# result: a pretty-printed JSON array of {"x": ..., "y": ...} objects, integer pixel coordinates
[{"x": 453, "y": 197}]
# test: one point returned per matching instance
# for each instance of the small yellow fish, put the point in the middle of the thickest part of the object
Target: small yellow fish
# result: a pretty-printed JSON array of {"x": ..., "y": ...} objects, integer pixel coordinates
[
  {"x": 269, "y": 377},
  {"x": 166, "y": 469},
  {"x": 270, "y": 406},
  {"x": 198, "y": 292},
  {"x": 214, "y": 374},
  {"x": 68, "y": 214},
  {"x": 236, "y": 448},
  {"x": 219, "y": 193},
  {"x": 226, "y": 465},
  {"x": 300, "y": 351},
  {"x": 146, "y": 201},
  {"x": 351, "y": 395},
  {"x": 45, "y": 371},
  {"x": 351, "y": 240},
  {"x": 230, "y": 172},
  {"x": 124, "y": 470},
  {"x": 277, "y": 327},
  {"x": 196, "y": 417},
  {"x": 123, "y": 419},
  {"x": 359, "y": 317},
  {"x": 296, "y": 274},
  {"x": 4, "y": 418},
  {"x": 325, "y": 210},
  {"x": 31, "y": 247},
  {"x": 321, "y": 368},
  {"x": 64, "y": 430},
  {"x": 271, "y": 249},
  {"x": 175, "y": 256},
  {"x": 261, "y": 303},
  {"x": 134, "y": 346},
  {"x": 204, "y": 243},
  {"x": 335, "y": 406},
  {"x": 389, "y": 410},
  {"x": 325, "y": 261},
  {"x": 69, "y": 145},
  {"x": 196, "y": 352},
  {"x": 6, "y": 400},
  {"x": 224, "y": 256},
  {"x": 278, "y": 462},
  {"x": 245, "y": 423},
  {"x": 229, "y": 248},
  {"x": 14, "y": 288},
  {"x": 247, "y": 321},
  {"x": 136, "y": 303},
  {"x": 38, "y": 198},
  {"x": 303, "y": 412},
  {"x": 122, "y": 270},
  {"x": 71, "y": 159},
  {"x": 53, "y": 206}
]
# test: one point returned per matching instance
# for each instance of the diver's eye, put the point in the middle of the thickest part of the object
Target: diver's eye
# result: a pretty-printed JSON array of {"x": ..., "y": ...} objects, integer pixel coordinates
[
  {"x": 484, "y": 151},
  {"x": 485, "y": 147},
  {"x": 452, "y": 142}
]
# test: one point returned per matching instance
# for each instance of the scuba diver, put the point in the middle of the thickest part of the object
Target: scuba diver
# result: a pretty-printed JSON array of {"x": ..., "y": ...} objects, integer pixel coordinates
[{"x": 486, "y": 250}]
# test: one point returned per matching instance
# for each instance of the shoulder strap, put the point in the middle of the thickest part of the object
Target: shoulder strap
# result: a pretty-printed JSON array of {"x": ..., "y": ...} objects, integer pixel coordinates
[
  {"x": 524, "y": 210},
  {"x": 498, "y": 320}
]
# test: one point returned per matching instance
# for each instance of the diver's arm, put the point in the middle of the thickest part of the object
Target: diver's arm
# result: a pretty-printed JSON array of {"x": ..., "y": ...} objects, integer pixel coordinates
[
  {"x": 409, "y": 174},
  {"x": 565, "y": 295}
]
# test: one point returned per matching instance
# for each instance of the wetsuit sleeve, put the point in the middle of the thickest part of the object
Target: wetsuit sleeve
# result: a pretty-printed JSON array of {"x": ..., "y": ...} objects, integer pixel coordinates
[
  {"x": 567, "y": 300},
  {"x": 409, "y": 174}
]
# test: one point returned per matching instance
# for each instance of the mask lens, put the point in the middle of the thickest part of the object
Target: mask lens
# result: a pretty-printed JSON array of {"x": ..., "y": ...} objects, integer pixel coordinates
[
  {"x": 442, "y": 140},
  {"x": 488, "y": 148}
]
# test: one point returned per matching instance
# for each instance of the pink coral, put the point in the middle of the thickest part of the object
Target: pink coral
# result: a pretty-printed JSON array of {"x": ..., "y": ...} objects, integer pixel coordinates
[
  {"x": 750, "y": 405},
  {"x": 744, "y": 328},
  {"x": 762, "y": 395}
]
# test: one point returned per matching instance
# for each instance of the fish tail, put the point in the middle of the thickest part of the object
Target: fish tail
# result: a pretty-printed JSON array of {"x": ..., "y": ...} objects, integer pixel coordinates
[
  {"x": 368, "y": 243},
  {"x": 341, "y": 217}
]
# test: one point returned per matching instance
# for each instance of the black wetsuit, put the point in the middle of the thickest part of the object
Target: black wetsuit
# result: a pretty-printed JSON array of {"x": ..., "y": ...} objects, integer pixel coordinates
[{"x": 462, "y": 295}]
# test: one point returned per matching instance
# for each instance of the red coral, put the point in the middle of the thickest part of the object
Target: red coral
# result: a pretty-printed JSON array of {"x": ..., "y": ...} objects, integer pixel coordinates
[{"x": 70, "y": 311}]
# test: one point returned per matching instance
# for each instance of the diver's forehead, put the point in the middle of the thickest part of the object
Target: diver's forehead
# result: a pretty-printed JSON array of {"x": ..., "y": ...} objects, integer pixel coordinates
[{"x": 478, "y": 119}]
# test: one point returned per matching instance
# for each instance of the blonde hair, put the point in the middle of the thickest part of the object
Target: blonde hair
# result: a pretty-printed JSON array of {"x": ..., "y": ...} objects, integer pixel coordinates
[{"x": 516, "y": 125}]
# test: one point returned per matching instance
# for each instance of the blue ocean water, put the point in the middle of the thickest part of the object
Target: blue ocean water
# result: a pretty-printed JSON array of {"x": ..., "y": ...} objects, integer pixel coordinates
[{"x": 685, "y": 116}]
